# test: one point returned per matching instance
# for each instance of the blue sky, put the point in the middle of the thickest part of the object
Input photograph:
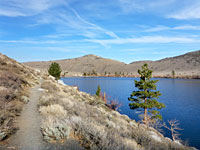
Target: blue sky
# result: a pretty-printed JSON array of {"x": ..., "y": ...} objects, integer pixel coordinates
[{"x": 126, "y": 30}]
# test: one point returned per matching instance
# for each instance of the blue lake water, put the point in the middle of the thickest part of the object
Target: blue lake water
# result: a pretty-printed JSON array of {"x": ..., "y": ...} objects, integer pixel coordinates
[{"x": 181, "y": 97}]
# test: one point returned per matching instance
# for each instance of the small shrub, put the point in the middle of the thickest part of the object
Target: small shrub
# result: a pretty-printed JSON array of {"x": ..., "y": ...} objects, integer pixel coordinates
[
  {"x": 53, "y": 110},
  {"x": 112, "y": 104},
  {"x": 51, "y": 87},
  {"x": 55, "y": 129},
  {"x": 174, "y": 128}
]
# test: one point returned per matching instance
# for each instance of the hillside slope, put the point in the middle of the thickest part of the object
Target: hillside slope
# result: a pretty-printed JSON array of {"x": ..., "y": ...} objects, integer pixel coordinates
[
  {"x": 184, "y": 65},
  {"x": 187, "y": 64},
  {"x": 15, "y": 80},
  {"x": 86, "y": 63}
]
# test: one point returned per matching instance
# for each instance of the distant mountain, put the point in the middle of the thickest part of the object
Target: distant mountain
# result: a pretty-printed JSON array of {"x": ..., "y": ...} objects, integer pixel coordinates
[
  {"x": 187, "y": 64},
  {"x": 82, "y": 64}
]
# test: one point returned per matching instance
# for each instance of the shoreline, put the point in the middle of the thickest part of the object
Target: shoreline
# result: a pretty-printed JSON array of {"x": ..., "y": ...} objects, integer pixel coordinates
[{"x": 136, "y": 76}]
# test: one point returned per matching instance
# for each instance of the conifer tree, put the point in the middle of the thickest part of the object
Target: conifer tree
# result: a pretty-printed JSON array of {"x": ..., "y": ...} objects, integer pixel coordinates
[
  {"x": 55, "y": 70},
  {"x": 146, "y": 96},
  {"x": 98, "y": 92}
]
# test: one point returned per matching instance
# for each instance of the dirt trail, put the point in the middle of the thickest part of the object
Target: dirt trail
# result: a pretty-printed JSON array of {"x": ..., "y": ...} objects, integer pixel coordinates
[{"x": 29, "y": 137}]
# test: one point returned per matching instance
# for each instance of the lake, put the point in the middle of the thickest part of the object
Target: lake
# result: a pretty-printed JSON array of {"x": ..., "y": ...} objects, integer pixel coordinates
[{"x": 181, "y": 97}]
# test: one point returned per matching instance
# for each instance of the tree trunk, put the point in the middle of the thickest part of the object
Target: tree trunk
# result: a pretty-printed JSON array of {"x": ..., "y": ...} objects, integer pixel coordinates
[
  {"x": 173, "y": 136},
  {"x": 145, "y": 116}
]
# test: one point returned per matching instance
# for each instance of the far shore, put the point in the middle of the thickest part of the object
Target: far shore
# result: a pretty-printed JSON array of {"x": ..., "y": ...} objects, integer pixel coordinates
[{"x": 136, "y": 76}]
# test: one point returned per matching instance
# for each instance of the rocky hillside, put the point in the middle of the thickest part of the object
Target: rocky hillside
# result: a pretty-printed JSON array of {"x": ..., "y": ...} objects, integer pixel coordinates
[
  {"x": 69, "y": 113},
  {"x": 183, "y": 65},
  {"x": 15, "y": 80}
]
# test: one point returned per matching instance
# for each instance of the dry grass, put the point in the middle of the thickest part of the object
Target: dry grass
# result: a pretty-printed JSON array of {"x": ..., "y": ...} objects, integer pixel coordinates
[
  {"x": 53, "y": 110},
  {"x": 10, "y": 102},
  {"x": 48, "y": 85}
]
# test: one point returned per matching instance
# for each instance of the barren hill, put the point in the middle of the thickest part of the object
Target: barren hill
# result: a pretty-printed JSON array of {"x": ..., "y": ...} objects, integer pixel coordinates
[
  {"x": 82, "y": 64},
  {"x": 183, "y": 65}
]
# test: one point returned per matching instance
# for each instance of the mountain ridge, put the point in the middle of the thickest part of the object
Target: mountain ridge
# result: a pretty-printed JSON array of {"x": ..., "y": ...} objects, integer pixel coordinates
[{"x": 185, "y": 64}]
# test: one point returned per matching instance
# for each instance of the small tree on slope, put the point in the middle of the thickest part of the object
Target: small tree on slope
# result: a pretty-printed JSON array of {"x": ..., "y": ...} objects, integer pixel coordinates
[
  {"x": 146, "y": 96},
  {"x": 98, "y": 92},
  {"x": 55, "y": 70}
]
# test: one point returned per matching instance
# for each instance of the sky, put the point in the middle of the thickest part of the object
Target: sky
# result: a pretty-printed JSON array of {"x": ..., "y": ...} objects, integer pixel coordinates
[{"x": 125, "y": 30}]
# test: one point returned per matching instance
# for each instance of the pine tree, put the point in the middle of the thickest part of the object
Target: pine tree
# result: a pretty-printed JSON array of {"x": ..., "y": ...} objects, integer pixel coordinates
[
  {"x": 146, "y": 96},
  {"x": 55, "y": 70},
  {"x": 98, "y": 92}
]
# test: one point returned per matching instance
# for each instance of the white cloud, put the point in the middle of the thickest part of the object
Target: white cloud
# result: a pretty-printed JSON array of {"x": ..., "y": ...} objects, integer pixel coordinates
[
  {"x": 146, "y": 39},
  {"x": 163, "y": 28},
  {"x": 55, "y": 36},
  {"x": 158, "y": 28},
  {"x": 57, "y": 12},
  {"x": 13, "y": 13},
  {"x": 106, "y": 42},
  {"x": 40, "y": 41},
  {"x": 14, "y": 8},
  {"x": 94, "y": 26},
  {"x": 187, "y": 27},
  {"x": 177, "y": 9},
  {"x": 131, "y": 6},
  {"x": 191, "y": 11},
  {"x": 67, "y": 19}
]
